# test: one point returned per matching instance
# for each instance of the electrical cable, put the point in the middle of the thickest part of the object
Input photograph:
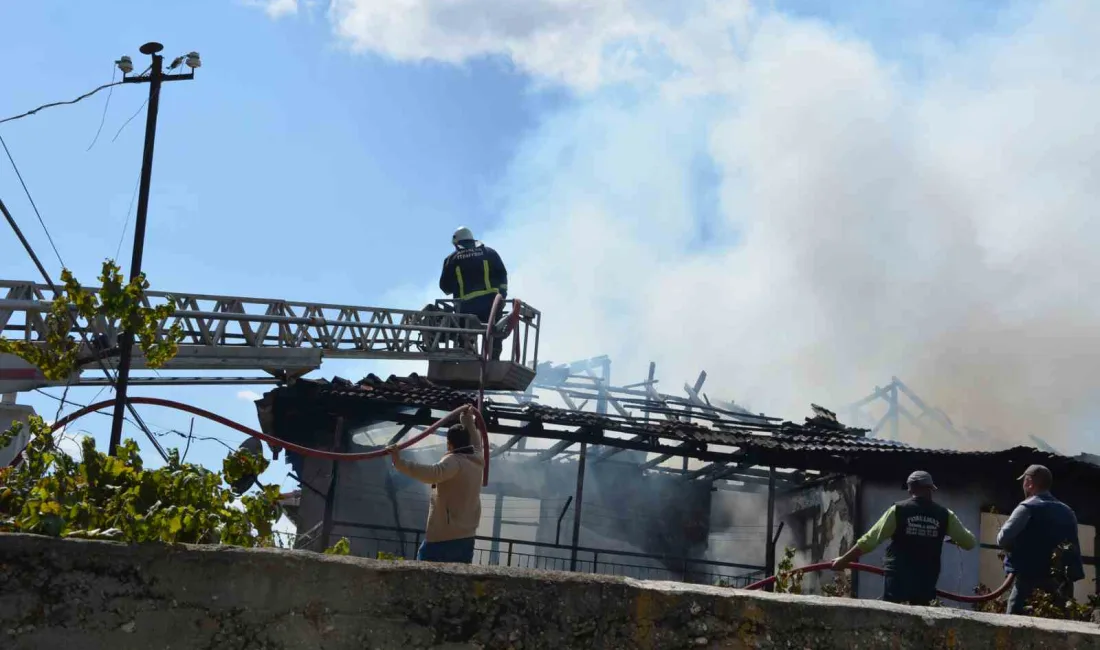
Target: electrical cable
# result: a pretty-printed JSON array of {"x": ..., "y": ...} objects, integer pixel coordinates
[
  {"x": 131, "y": 118},
  {"x": 82, "y": 97},
  {"x": 164, "y": 430},
  {"x": 126, "y": 222},
  {"x": 106, "y": 105},
  {"x": 57, "y": 293},
  {"x": 31, "y": 199},
  {"x": 190, "y": 436}
]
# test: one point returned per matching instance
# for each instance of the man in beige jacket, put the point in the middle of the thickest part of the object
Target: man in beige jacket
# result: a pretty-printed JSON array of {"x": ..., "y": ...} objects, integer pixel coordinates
[{"x": 455, "y": 509}]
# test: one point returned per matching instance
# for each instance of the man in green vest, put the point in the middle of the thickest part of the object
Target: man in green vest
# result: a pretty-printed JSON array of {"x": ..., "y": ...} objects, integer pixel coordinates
[{"x": 916, "y": 528}]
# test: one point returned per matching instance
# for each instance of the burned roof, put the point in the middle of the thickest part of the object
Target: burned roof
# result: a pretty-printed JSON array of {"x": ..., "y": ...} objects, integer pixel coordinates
[{"x": 306, "y": 412}]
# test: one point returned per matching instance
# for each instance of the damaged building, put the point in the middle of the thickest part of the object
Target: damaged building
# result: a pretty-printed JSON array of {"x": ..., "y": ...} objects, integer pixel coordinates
[{"x": 629, "y": 481}]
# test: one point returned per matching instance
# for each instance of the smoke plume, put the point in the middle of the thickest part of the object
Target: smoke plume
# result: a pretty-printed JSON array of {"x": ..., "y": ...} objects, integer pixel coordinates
[{"x": 773, "y": 200}]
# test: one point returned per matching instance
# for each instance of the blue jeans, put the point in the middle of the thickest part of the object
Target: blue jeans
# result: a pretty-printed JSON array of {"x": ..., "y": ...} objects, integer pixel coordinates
[
  {"x": 1025, "y": 586},
  {"x": 458, "y": 551}
]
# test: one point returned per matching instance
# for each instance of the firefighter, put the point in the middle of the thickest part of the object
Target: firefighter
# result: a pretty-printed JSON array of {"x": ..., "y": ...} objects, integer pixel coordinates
[
  {"x": 454, "y": 510},
  {"x": 1031, "y": 535},
  {"x": 917, "y": 528},
  {"x": 474, "y": 274}
]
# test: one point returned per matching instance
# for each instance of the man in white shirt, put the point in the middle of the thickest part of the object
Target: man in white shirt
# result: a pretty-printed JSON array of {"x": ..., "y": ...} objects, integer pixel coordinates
[{"x": 455, "y": 509}]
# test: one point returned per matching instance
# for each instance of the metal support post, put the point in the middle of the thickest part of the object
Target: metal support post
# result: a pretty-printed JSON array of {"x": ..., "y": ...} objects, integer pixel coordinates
[
  {"x": 603, "y": 383},
  {"x": 564, "y": 509},
  {"x": 857, "y": 530},
  {"x": 330, "y": 496},
  {"x": 893, "y": 413},
  {"x": 769, "y": 551},
  {"x": 126, "y": 342},
  {"x": 498, "y": 513},
  {"x": 577, "y": 507}
]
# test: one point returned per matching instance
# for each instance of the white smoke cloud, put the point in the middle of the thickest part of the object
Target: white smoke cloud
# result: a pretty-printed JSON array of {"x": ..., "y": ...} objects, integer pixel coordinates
[
  {"x": 276, "y": 8},
  {"x": 869, "y": 221},
  {"x": 583, "y": 43}
]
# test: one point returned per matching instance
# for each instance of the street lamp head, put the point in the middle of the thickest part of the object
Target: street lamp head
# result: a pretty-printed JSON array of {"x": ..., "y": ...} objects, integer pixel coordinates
[
  {"x": 125, "y": 64},
  {"x": 193, "y": 60},
  {"x": 151, "y": 48}
]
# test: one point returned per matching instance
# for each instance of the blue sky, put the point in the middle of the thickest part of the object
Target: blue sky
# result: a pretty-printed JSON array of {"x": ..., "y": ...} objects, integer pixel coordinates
[
  {"x": 286, "y": 169},
  {"x": 315, "y": 158}
]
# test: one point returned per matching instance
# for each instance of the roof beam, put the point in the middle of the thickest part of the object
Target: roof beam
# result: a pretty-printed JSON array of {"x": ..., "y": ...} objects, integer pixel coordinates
[
  {"x": 650, "y": 464},
  {"x": 715, "y": 471},
  {"x": 552, "y": 451},
  {"x": 512, "y": 442}
]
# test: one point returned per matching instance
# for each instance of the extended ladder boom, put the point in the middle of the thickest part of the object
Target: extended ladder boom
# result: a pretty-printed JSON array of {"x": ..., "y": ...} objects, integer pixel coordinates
[{"x": 281, "y": 336}]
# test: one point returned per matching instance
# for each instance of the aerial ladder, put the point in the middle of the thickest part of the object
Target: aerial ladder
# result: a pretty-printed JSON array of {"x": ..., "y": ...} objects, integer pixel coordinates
[{"x": 285, "y": 339}]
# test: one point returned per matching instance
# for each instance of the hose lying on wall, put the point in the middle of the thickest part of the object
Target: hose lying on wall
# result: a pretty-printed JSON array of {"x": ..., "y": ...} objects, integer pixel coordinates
[
  {"x": 296, "y": 448},
  {"x": 856, "y": 566}
]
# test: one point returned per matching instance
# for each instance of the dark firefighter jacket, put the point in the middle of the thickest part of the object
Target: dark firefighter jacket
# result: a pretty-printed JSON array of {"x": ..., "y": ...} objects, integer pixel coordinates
[{"x": 470, "y": 273}]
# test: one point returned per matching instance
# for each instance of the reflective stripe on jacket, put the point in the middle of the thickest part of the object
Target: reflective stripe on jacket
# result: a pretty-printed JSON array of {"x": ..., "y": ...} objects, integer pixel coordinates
[{"x": 473, "y": 272}]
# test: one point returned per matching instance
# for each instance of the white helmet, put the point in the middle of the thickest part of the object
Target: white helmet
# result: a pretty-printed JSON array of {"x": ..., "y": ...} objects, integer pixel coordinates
[{"x": 461, "y": 235}]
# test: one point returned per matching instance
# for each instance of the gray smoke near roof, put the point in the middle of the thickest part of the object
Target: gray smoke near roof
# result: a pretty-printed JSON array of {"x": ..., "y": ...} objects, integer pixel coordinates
[
  {"x": 865, "y": 224},
  {"x": 770, "y": 199}
]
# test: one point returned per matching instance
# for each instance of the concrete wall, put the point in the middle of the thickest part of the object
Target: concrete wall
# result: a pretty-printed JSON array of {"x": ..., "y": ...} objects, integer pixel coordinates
[
  {"x": 959, "y": 569},
  {"x": 93, "y": 595}
]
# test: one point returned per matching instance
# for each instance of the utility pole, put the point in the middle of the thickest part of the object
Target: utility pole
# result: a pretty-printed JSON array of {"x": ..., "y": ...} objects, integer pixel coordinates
[{"x": 155, "y": 78}]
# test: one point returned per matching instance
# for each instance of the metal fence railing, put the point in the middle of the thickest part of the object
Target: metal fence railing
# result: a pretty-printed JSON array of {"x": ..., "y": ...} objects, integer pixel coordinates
[{"x": 368, "y": 540}]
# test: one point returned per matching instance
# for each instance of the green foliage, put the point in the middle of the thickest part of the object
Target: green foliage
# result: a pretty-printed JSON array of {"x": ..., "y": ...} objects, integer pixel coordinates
[
  {"x": 382, "y": 555},
  {"x": 788, "y": 581},
  {"x": 105, "y": 497},
  {"x": 1061, "y": 604},
  {"x": 996, "y": 606},
  {"x": 342, "y": 547},
  {"x": 117, "y": 304},
  {"x": 840, "y": 587}
]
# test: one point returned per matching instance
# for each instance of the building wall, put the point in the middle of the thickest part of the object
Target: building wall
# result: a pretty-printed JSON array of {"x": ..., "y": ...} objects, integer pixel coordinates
[
  {"x": 738, "y": 526},
  {"x": 9, "y": 414},
  {"x": 818, "y": 523},
  {"x": 960, "y": 571},
  {"x": 623, "y": 511}
]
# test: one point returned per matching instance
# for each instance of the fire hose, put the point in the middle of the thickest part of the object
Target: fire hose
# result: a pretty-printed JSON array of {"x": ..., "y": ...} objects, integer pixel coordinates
[
  {"x": 856, "y": 566},
  {"x": 272, "y": 440},
  {"x": 486, "y": 350}
]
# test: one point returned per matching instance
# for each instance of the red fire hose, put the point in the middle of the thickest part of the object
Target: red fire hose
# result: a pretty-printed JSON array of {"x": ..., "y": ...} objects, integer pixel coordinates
[
  {"x": 856, "y": 566},
  {"x": 487, "y": 349},
  {"x": 299, "y": 449}
]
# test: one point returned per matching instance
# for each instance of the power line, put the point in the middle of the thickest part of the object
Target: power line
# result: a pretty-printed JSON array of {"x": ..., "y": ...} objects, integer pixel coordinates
[
  {"x": 126, "y": 223},
  {"x": 190, "y": 436},
  {"x": 131, "y": 118},
  {"x": 72, "y": 318},
  {"x": 31, "y": 199},
  {"x": 73, "y": 101},
  {"x": 27, "y": 246},
  {"x": 103, "y": 118},
  {"x": 164, "y": 430}
]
